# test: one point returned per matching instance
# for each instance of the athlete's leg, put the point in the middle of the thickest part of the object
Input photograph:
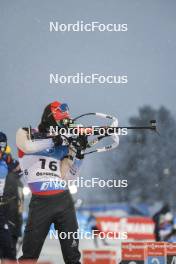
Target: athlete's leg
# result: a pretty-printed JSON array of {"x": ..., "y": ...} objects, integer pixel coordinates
[
  {"x": 6, "y": 245},
  {"x": 36, "y": 229},
  {"x": 66, "y": 222}
]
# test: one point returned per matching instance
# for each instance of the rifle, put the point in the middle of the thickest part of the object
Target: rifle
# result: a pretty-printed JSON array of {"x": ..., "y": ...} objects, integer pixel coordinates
[{"x": 96, "y": 131}]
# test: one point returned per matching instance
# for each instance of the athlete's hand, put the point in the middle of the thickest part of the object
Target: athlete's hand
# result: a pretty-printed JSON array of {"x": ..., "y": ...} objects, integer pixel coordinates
[
  {"x": 81, "y": 143},
  {"x": 57, "y": 140}
]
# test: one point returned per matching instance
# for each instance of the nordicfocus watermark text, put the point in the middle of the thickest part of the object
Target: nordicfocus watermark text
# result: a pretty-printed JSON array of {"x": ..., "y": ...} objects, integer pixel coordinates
[
  {"x": 93, "y": 78},
  {"x": 54, "y": 234},
  {"x": 80, "y": 182},
  {"x": 88, "y": 131},
  {"x": 81, "y": 26}
]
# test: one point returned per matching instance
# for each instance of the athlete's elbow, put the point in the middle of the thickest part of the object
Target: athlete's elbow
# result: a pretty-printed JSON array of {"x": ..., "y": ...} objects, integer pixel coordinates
[{"x": 22, "y": 141}]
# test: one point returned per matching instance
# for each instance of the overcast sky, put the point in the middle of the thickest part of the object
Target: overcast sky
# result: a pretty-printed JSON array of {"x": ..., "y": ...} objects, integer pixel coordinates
[{"x": 29, "y": 53}]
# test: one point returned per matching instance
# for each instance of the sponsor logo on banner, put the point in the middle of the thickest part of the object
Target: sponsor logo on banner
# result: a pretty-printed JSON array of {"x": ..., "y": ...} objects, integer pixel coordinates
[
  {"x": 99, "y": 257},
  {"x": 133, "y": 251},
  {"x": 137, "y": 228}
]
